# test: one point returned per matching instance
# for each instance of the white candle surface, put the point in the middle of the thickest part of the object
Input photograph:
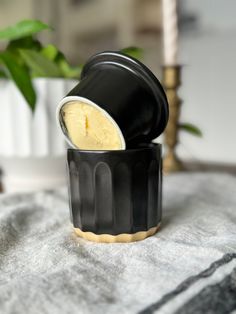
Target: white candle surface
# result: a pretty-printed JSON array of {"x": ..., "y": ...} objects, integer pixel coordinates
[{"x": 170, "y": 31}]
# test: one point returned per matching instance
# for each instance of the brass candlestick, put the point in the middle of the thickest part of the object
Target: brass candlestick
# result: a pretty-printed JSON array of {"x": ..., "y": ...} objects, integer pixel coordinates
[{"x": 171, "y": 82}]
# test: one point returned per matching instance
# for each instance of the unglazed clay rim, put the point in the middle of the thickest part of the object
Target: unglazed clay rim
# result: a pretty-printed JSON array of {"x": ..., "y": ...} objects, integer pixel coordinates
[
  {"x": 119, "y": 238},
  {"x": 89, "y": 102}
]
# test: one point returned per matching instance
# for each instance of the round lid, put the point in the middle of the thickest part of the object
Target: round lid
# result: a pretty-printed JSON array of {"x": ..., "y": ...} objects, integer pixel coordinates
[{"x": 142, "y": 72}]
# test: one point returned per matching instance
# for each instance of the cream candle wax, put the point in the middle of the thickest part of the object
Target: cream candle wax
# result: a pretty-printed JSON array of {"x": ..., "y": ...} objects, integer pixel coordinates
[{"x": 89, "y": 126}]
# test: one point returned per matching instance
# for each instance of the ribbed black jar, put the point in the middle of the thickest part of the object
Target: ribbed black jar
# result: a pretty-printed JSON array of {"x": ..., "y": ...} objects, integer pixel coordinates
[{"x": 116, "y": 192}]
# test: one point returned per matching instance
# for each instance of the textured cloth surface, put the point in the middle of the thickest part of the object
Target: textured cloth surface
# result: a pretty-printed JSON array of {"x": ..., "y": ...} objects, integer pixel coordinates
[{"x": 189, "y": 266}]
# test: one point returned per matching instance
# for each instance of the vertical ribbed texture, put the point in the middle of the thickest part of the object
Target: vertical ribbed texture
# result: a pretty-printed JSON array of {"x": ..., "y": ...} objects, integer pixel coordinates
[
  {"x": 86, "y": 195},
  {"x": 154, "y": 193},
  {"x": 103, "y": 198},
  {"x": 139, "y": 196},
  {"x": 74, "y": 197},
  {"x": 122, "y": 193},
  {"x": 26, "y": 134},
  {"x": 115, "y": 192}
]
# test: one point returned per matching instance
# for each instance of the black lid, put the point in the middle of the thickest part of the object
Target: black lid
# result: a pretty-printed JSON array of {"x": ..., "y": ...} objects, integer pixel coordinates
[{"x": 145, "y": 75}]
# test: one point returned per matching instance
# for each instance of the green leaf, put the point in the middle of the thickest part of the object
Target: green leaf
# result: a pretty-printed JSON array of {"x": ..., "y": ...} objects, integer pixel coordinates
[
  {"x": 20, "y": 77},
  {"x": 134, "y": 52},
  {"x": 39, "y": 64},
  {"x": 53, "y": 54},
  {"x": 23, "y": 43},
  {"x": 50, "y": 52},
  {"x": 27, "y": 42},
  {"x": 2, "y": 74},
  {"x": 22, "y": 29},
  {"x": 67, "y": 70},
  {"x": 188, "y": 127}
]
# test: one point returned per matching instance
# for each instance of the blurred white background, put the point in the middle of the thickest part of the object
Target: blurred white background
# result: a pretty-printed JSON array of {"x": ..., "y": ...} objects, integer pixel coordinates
[{"x": 207, "y": 53}]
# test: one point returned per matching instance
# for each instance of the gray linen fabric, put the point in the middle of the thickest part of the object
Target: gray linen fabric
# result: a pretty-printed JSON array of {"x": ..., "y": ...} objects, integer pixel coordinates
[{"x": 188, "y": 267}]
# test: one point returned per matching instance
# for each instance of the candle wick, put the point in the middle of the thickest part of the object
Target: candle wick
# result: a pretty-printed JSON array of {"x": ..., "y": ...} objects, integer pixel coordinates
[{"x": 86, "y": 126}]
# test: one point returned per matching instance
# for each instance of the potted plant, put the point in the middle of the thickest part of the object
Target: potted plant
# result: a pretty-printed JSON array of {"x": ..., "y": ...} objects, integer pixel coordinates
[{"x": 33, "y": 78}]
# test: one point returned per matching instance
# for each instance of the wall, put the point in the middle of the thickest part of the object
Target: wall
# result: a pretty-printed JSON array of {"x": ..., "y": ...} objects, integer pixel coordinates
[{"x": 208, "y": 53}]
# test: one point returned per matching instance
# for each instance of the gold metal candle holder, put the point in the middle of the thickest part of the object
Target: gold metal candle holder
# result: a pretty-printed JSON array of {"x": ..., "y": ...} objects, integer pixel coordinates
[{"x": 171, "y": 82}]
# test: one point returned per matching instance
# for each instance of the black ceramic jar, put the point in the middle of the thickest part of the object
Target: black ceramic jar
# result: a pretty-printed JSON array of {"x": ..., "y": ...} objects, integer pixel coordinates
[{"x": 116, "y": 196}]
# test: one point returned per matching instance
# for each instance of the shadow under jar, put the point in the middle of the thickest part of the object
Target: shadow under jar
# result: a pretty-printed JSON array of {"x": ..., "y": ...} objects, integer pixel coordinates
[{"x": 116, "y": 196}]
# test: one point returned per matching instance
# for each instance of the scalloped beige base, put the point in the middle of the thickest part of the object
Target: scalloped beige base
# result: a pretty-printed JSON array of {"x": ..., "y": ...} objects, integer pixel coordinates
[{"x": 124, "y": 237}]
